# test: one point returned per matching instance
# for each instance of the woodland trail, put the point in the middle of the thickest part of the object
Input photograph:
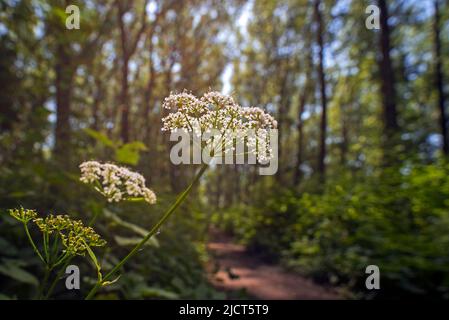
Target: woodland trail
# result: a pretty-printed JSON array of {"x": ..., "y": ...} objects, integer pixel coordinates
[{"x": 239, "y": 270}]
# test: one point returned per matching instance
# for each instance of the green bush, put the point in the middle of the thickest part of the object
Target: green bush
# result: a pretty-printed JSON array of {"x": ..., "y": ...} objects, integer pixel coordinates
[{"x": 397, "y": 220}]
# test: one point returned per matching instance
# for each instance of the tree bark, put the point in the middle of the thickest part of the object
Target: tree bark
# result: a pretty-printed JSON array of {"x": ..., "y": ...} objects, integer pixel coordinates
[
  {"x": 149, "y": 91},
  {"x": 439, "y": 78},
  {"x": 128, "y": 47},
  {"x": 282, "y": 119},
  {"x": 124, "y": 105},
  {"x": 387, "y": 79},
  {"x": 322, "y": 80},
  {"x": 344, "y": 136},
  {"x": 64, "y": 82},
  {"x": 304, "y": 96}
]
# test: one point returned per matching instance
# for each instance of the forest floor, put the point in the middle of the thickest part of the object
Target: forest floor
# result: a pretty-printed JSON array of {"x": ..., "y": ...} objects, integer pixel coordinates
[{"x": 241, "y": 274}]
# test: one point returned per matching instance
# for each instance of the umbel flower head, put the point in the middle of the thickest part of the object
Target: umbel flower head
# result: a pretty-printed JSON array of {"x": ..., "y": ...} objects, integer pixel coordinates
[
  {"x": 23, "y": 215},
  {"x": 76, "y": 238},
  {"x": 212, "y": 111},
  {"x": 116, "y": 183},
  {"x": 220, "y": 113}
]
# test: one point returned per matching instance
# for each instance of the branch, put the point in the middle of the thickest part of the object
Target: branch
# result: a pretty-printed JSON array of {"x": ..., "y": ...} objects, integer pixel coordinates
[{"x": 143, "y": 25}]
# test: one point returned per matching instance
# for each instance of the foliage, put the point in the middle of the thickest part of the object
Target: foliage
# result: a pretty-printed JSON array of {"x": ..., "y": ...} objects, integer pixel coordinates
[
  {"x": 373, "y": 197},
  {"x": 397, "y": 221}
]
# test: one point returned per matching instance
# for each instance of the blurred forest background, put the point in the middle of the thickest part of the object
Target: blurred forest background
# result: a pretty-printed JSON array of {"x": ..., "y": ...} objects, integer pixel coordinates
[{"x": 363, "y": 170}]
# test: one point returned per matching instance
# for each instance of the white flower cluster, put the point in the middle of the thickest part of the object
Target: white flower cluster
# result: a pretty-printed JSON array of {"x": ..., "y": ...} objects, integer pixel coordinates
[
  {"x": 217, "y": 112},
  {"x": 116, "y": 183}
]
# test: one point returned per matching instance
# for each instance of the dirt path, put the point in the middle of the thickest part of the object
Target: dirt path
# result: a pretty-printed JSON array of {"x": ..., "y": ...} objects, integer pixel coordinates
[{"x": 238, "y": 270}]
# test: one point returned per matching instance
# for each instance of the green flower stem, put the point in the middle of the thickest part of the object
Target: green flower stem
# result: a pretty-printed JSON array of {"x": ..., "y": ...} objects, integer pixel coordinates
[
  {"x": 61, "y": 259},
  {"x": 94, "y": 218},
  {"x": 32, "y": 242},
  {"x": 152, "y": 232},
  {"x": 46, "y": 248},
  {"x": 58, "y": 275},
  {"x": 54, "y": 250},
  {"x": 44, "y": 283}
]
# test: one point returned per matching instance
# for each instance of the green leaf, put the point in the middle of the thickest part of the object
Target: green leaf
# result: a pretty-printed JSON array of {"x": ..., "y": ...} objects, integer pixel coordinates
[
  {"x": 7, "y": 247},
  {"x": 132, "y": 241},
  {"x": 132, "y": 227},
  {"x": 11, "y": 268},
  {"x": 136, "y": 145},
  {"x": 128, "y": 225},
  {"x": 130, "y": 152},
  {"x": 100, "y": 137},
  {"x": 95, "y": 261},
  {"x": 108, "y": 283}
]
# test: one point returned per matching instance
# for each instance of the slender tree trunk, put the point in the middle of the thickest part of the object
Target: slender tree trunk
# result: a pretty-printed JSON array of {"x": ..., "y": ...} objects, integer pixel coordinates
[
  {"x": 128, "y": 43},
  {"x": 149, "y": 92},
  {"x": 64, "y": 82},
  {"x": 281, "y": 118},
  {"x": 439, "y": 79},
  {"x": 387, "y": 80},
  {"x": 124, "y": 104},
  {"x": 98, "y": 96},
  {"x": 297, "y": 175},
  {"x": 322, "y": 80},
  {"x": 344, "y": 136},
  {"x": 304, "y": 96},
  {"x": 175, "y": 180}
]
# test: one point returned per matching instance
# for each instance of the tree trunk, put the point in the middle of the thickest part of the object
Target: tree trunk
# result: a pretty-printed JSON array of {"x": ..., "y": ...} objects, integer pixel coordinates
[
  {"x": 439, "y": 79},
  {"x": 302, "y": 104},
  {"x": 304, "y": 96},
  {"x": 149, "y": 92},
  {"x": 344, "y": 136},
  {"x": 128, "y": 45},
  {"x": 322, "y": 80},
  {"x": 387, "y": 80},
  {"x": 64, "y": 81},
  {"x": 98, "y": 97},
  {"x": 124, "y": 105},
  {"x": 282, "y": 117}
]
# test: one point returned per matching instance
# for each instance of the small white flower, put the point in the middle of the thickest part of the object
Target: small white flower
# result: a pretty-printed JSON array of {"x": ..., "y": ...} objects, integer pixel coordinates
[
  {"x": 117, "y": 183},
  {"x": 149, "y": 196},
  {"x": 215, "y": 111}
]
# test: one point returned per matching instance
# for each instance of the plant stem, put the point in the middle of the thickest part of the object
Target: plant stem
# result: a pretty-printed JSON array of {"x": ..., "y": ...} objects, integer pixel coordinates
[
  {"x": 44, "y": 282},
  {"x": 46, "y": 248},
  {"x": 94, "y": 218},
  {"x": 61, "y": 259},
  {"x": 32, "y": 242},
  {"x": 52, "y": 286},
  {"x": 152, "y": 232},
  {"x": 54, "y": 250}
]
